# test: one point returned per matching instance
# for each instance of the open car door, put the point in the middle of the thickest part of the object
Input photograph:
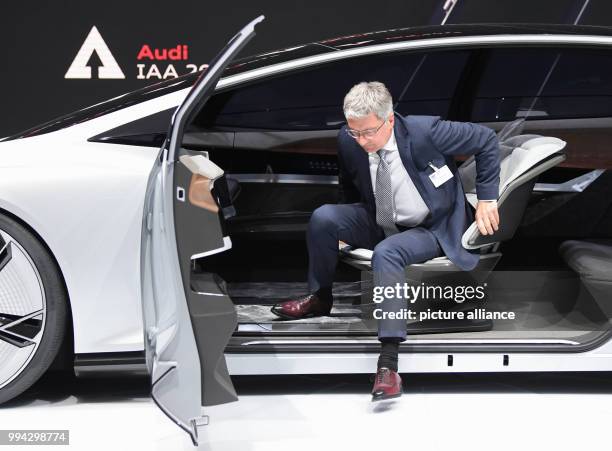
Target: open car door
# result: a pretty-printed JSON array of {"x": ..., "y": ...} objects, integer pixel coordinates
[{"x": 186, "y": 329}]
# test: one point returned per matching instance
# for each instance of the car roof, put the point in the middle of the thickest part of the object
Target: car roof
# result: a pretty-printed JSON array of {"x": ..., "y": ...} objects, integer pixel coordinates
[
  {"x": 312, "y": 49},
  {"x": 409, "y": 34}
]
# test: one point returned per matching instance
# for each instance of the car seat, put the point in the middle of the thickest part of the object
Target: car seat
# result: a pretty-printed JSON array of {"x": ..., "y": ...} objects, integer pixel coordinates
[{"x": 592, "y": 261}]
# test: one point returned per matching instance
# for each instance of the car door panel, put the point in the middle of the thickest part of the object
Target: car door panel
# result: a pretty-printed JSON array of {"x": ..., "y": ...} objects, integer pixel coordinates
[
  {"x": 212, "y": 313},
  {"x": 186, "y": 330}
]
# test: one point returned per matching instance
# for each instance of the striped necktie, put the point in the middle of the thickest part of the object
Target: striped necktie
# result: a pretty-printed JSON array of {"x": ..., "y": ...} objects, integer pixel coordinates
[{"x": 385, "y": 206}]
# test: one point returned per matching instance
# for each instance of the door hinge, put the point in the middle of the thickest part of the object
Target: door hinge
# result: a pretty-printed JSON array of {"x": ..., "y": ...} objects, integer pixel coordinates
[
  {"x": 151, "y": 333},
  {"x": 198, "y": 425}
]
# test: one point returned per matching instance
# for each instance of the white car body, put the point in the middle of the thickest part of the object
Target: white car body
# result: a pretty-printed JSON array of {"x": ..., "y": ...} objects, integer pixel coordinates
[{"x": 65, "y": 187}]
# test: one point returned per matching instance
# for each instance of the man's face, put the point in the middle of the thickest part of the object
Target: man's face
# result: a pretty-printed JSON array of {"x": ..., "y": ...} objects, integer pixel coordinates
[{"x": 371, "y": 123}]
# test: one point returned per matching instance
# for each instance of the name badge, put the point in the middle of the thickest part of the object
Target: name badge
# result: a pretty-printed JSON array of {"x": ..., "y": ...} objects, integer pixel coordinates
[{"x": 440, "y": 175}]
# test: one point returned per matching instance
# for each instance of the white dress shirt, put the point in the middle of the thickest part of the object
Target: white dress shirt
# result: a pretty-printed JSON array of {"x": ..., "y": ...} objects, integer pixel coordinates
[{"x": 410, "y": 209}]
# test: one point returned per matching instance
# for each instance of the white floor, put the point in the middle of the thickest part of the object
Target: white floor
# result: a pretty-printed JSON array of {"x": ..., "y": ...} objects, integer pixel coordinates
[{"x": 316, "y": 413}]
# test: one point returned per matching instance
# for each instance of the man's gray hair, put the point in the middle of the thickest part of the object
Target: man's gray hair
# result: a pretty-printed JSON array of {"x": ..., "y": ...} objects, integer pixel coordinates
[{"x": 368, "y": 97}]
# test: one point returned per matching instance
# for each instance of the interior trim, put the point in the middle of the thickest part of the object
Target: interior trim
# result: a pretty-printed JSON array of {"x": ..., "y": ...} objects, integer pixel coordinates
[
  {"x": 415, "y": 341},
  {"x": 227, "y": 244},
  {"x": 286, "y": 178},
  {"x": 575, "y": 185}
]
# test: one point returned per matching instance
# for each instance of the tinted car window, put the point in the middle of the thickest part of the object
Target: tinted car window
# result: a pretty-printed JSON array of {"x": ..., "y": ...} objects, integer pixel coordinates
[
  {"x": 312, "y": 99},
  {"x": 149, "y": 131},
  {"x": 544, "y": 83},
  {"x": 111, "y": 105}
]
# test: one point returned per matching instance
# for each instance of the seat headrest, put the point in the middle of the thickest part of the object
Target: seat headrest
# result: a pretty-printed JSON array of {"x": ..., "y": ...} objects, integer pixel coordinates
[
  {"x": 518, "y": 155},
  {"x": 519, "y": 167}
]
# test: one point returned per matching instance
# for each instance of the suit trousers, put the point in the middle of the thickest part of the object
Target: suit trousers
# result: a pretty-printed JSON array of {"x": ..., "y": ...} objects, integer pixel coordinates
[{"x": 353, "y": 224}]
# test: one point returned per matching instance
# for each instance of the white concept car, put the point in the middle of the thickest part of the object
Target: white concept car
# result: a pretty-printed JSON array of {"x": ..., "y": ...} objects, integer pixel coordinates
[{"x": 152, "y": 232}]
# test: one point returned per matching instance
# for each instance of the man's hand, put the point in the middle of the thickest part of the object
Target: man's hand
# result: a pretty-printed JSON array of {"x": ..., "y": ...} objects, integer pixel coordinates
[{"x": 487, "y": 217}]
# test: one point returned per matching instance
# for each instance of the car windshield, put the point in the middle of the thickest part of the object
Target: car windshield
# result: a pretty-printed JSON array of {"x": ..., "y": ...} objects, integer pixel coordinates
[{"x": 111, "y": 105}]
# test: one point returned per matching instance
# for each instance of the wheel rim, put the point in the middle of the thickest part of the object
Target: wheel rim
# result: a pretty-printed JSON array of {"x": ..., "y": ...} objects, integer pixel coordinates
[{"x": 22, "y": 309}]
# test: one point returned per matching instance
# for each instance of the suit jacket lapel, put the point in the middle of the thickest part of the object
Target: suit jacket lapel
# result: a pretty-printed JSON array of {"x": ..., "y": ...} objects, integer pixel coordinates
[
  {"x": 405, "y": 148},
  {"x": 404, "y": 145}
]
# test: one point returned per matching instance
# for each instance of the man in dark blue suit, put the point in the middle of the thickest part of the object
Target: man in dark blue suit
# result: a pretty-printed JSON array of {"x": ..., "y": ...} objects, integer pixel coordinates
[{"x": 402, "y": 197}]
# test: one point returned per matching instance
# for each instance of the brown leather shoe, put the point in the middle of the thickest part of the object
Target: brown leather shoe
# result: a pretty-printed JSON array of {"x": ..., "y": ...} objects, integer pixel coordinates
[
  {"x": 387, "y": 385},
  {"x": 304, "y": 307}
]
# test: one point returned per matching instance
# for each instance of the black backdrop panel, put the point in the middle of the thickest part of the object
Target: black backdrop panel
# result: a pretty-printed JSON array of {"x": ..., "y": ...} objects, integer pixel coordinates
[{"x": 40, "y": 40}]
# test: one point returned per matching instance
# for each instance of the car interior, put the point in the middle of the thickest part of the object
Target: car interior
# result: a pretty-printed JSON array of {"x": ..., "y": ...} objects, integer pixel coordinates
[
  {"x": 557, "y": 294},
  {"x": 549, "y": 263}
]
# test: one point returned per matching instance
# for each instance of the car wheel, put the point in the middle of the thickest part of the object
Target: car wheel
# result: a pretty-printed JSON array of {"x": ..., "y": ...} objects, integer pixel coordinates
[{"x": 33, "y": 305}]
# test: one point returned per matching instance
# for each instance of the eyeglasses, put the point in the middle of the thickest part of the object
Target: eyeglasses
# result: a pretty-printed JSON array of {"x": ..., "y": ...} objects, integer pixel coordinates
[{"x": 367, "y": 133}]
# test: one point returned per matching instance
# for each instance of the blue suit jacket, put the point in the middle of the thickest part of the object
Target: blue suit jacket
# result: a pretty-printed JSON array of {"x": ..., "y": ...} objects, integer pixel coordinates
[{"x": 420, "y": 140}]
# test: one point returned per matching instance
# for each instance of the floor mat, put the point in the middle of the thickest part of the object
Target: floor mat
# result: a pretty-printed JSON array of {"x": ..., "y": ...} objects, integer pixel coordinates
[
  {"x": 261, "y": 314},
  {"x": 539, "y": 317},
  {"x": 268, "y": 293}
]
